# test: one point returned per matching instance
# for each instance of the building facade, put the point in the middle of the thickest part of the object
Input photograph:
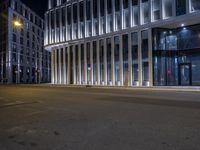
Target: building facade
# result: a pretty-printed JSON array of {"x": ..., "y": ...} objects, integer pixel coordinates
[
  {"x": 124, "y": 42},
  {"x": 23, "y": 58}
]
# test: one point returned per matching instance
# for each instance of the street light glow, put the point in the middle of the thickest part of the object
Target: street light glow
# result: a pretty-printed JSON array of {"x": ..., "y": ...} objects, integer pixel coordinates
[{"x": 17, "y": 24}]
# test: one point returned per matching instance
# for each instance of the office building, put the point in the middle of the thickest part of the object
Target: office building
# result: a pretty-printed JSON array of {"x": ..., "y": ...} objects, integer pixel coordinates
[
  {"x": 23, "y": 58},
  {"x": 124, "y": 42}
]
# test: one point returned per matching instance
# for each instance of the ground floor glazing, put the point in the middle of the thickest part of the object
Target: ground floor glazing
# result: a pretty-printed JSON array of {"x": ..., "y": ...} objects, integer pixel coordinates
[{"x": 152, "y": 57}]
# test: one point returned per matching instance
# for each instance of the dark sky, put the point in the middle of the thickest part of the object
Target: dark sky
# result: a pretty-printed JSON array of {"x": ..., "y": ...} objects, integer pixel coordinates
[{"x": 39, "y": 6}]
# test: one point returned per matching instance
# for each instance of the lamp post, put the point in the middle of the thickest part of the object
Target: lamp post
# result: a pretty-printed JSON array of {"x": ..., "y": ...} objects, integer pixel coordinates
[{"x": 19, "y": 25}]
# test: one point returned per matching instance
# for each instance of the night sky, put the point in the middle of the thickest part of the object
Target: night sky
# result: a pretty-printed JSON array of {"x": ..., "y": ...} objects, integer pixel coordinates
[{"x": 39, "y": 6}]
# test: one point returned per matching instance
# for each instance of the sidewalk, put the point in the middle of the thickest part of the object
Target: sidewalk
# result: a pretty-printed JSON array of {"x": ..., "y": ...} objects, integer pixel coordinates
[{"x": 156, "y": 88}]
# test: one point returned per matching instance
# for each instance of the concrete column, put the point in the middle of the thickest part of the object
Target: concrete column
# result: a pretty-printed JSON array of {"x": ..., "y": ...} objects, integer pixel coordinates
[
  {"x": 52, "y": 67},
  {"x": 150, "y": 57},
  {"x": 61, "y": 26},
  {"x": 64, "y": 66},
  {"x": 50, "y": 29},
  {"x": 140, "y": 78},
  {"x": 98, "y": 15},
  {"x": 121, "y": 60},
  {"x": 130, "y": 13},
  {"x": 162, "y": 9},
  {"x": 140, "y": 12},
  {"x": 56, "y": 70},
  {"x": 72, "y": 22},
  {"x": 188, "y": 6},
  {"x": 130, "y": 80},
  {"x": 59, "y": 66},
  {"x": 91, "y": 62},
  {"x": 78, "y": 16},
  {"x": 69, "y": 65},
  {"x": 74, "y": 64},
  {"x": 113, "y": 60},
  {"x": 84, "y": 19},
  {"x": 105, "y": 62},
  {"x": 98, "y": 63},
  {"x": 92, "y": 17},
  {"x": 79, "y": 62},
  {"x": 49, "y": 4},
  {"x": 66, "y": 35},
  {"x": 85, "y": 62},
  {"x": 55, "y": 33}
]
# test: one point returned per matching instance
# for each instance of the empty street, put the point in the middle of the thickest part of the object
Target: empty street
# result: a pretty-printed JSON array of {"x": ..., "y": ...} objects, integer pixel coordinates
[{"x": 71, "y": 118}]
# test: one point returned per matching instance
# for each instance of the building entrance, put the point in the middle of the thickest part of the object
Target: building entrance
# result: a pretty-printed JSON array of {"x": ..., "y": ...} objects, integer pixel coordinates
[
  {"x": 176, "y": 56},
  {"x": 185, "y": 74}
]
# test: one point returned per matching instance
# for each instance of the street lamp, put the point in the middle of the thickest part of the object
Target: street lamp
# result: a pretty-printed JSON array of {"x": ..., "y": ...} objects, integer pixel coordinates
[{"x": 18, "y": 24}]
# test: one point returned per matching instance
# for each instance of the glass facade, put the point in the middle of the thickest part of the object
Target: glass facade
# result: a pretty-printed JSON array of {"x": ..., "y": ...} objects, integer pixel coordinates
[
  {"x": 126, "y": 43},
  {"x": 117, "y": 59},
  {"x": 176, "y": 58}
]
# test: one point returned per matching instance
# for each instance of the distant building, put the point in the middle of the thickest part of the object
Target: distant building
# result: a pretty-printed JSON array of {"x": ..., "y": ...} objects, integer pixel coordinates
[
  {"x": 23, "y": 58},
  {"x": 124, "y": 42}
]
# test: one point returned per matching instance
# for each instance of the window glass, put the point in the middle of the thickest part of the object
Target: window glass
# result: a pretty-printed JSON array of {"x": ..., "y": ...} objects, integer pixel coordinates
[
  {"x": 167, "y": 6},
  {"x": 195, "y": 5},
  {"x": 180, "y": 7},
  {"x": 117, "y": 60},
  {"x": 156, "y": 9}
]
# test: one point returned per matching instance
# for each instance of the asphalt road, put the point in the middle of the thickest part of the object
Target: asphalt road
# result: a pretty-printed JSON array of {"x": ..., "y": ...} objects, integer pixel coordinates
[{"x": 61, "y": 118}]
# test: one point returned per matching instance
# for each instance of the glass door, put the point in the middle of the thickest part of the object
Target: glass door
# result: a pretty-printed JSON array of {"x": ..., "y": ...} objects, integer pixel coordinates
[{"x": 185, "y": 74}]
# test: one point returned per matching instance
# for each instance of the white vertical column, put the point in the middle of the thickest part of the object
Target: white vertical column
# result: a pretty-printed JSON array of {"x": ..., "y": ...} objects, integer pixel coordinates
[
  {"x": 55, "y": 33},
  {"x": 52, "y": 67},
  {"x": 59, "y": 66},
  {"x": 188, "y": 6},
  {"x": 56, "y": 65},
  {"x": 130, "y": 13},
  {"x": 50, "y": 29},
  {"x": 66, "y": 25},
  {"x": 92, "y": 17},
  {"x": 69, "y": 65},
  {"x": 130, "y": 80},
  {"x": 74, "y": 64},
  {"x": 78, "y": 19},
  {"x": 140, "y": 12},
  {"x": 91, "y": 62},
  {"x": 45, "y": 29},
  {"x": 140, "y": 78},
  {"x": 162, "y": 9},
  {"x": 79, "y": 63},
  {"x": 72, "y": 22},
  {"x": 105, "y": 62},
  {"x": 64, "y": 66},
  {"x": 98, "y": 63},
  {"x": 113, "y": 60},
  {"x": 84, "y": 6},
  {"x": 150, "y": 57},
  {"x": 85, "y": 62},
  {"x": 60, "y": 26},
  {"x": 121, "y": 60},
  {"x": 49, "y": 4}
]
